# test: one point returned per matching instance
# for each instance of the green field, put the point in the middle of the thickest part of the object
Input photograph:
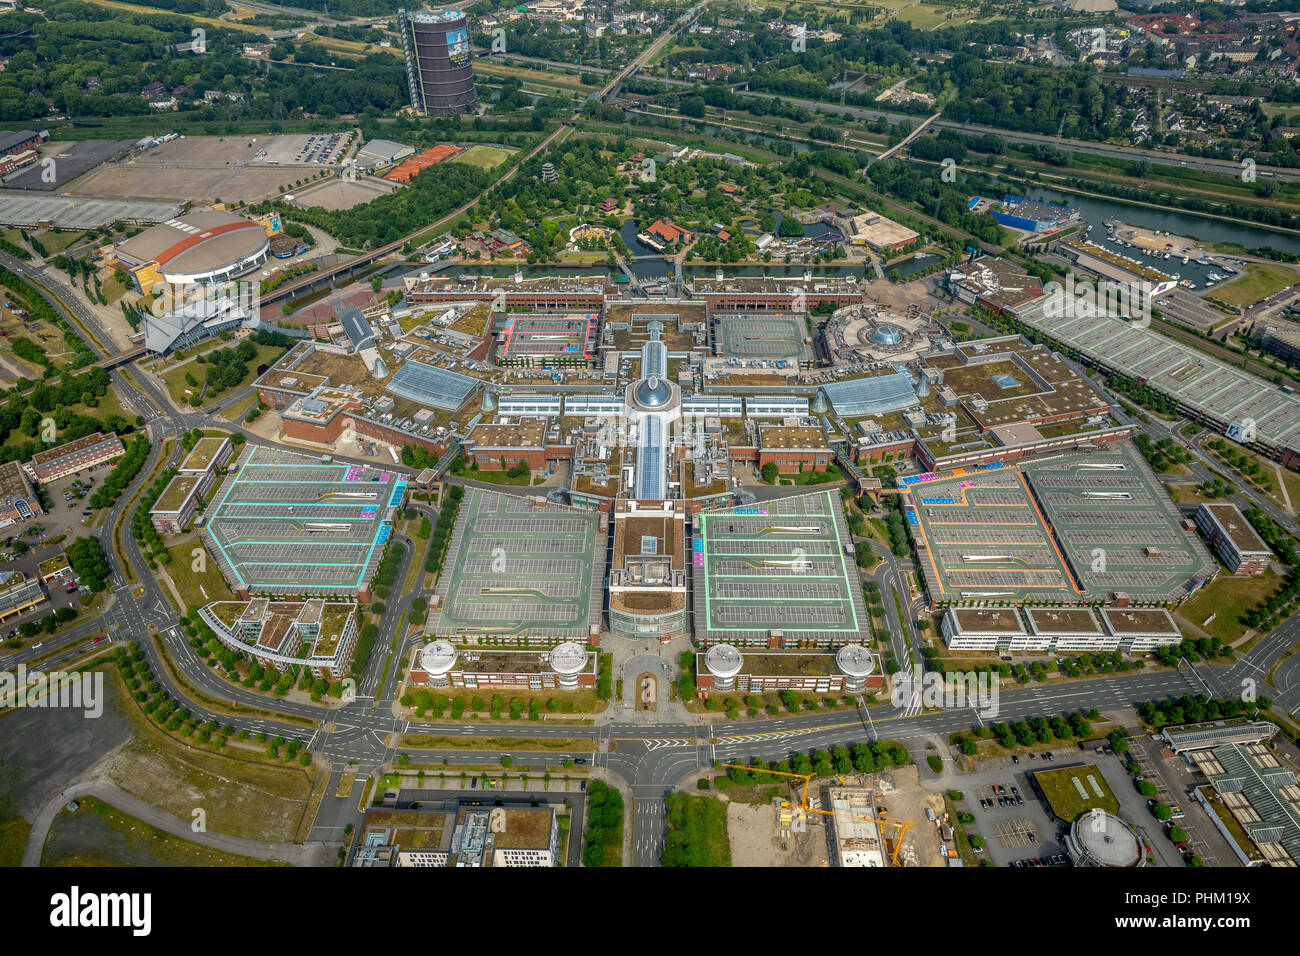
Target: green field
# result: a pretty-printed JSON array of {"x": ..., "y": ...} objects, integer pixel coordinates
[
  {"x": 484, "y": 157},
  {"x": 697, "y": 832},
  {"x": 190, "y": 583},
  {"x": 101, "y": 835},
  {"x": 1063, "y": 795},
  {"x": 1261, "y": 281},
  {"x": 56, "y": 242},
  {"x": 1228, "y": 597},
  {"x": 177, "y": 386}
]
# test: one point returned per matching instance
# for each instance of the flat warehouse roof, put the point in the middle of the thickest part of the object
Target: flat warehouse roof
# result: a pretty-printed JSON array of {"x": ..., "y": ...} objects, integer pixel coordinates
[
  {"x": 777, "y": 565},
  {"x": 517, "y": 567},
  {"x": 286, "y": 523},
  {"x": 1071, "y": 528},
  {"x": 1200, "y": 382}
]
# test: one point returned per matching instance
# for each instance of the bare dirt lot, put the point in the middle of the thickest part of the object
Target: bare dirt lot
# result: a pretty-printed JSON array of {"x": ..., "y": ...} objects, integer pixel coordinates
[
  {"x": 240, "y": 799},
  {"x": 906, "y": 799},
  {"x": 340, "y": 195},
  {"x": 758, "y": 840}
]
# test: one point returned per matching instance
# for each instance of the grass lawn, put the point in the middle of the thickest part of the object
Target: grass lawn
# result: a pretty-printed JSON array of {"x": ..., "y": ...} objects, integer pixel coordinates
[
  {"x": 193, "y": 584},
  {"x": 1062, "y": 790},
  {"x": 237, "y": 411},
  {"x": 177, "y": 387},
  {"x": 101, "y": 835},
  {"x": 13, "y": 837},
  {"x": 496, "y": 477},
  {"x": 484, "y": 157},
  {"x": 1261, "y": 280},
  {"x": 1292, "y": 482},
  {"x": 56, "y": 242},
  {"x": 113, "y": 290},
  {"x": 1228, "y": 597},
  {"x": 697, "y": 832}
]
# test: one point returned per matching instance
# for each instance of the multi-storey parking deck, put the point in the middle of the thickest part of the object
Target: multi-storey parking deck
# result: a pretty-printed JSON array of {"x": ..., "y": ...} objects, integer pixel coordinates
[
  {"x": 776, "y": 574},
  {"x": 1204, "y": 387},
  {"x": 287, "y": 524},
  {"x": 1071, "y": 528},
  {"x": 519, "y": 570}
]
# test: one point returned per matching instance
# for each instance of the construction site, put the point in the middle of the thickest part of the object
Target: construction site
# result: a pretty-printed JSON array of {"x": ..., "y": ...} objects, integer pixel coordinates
[{"x": 855, "y": 820}]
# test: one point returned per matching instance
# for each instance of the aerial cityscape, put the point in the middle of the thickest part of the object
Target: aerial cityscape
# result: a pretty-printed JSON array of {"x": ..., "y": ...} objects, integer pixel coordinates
[{"x": 632, "y": 434}]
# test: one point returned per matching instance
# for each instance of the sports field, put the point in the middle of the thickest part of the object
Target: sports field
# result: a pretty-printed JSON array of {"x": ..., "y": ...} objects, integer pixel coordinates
[{"x": 484, "y": 157}]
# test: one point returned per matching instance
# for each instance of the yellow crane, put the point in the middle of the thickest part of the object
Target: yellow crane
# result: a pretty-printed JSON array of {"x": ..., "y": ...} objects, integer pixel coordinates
[{"x": 901, "y": 827}]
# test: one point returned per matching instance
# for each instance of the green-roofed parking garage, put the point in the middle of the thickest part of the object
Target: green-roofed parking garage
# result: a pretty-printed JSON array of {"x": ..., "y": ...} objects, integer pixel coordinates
[
  {"x": 776, "y": 574},
  {"x": 287, "y": 524}
]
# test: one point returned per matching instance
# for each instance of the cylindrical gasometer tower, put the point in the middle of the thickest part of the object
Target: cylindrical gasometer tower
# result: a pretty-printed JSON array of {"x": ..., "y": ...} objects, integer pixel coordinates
[{"x": 438, "y": 71}]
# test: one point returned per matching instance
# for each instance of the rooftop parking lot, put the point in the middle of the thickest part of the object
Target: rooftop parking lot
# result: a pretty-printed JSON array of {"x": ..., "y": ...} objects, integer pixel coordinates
[
  {"x": 1068, "y": 528},
  {"x": 777, "y": 565},
  {"x": 518, "y": 568},
  {"x": 284, "y": 523}
]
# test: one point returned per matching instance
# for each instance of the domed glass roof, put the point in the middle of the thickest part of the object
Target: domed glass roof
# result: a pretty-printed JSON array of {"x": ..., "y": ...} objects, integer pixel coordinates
[
  {"x": 653, "y": 392},
  {"x": 887, "y": 335}
]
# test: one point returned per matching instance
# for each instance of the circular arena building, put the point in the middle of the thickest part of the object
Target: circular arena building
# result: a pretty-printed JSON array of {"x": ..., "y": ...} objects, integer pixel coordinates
[
  {"x": 1099, "y": 838},
  {"x": 203, "y": 247}
]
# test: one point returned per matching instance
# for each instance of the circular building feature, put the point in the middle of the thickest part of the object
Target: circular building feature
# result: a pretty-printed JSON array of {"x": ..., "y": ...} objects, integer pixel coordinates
[
  {"x": 856, "y": 663},
  {"x": 1099, "y": 838},
  {"x": 438, "y": 72},
  {"x": 203, "y": 246},
  {"x": 653, "y": 392},
  {"x": 437, "y": 660},
  {"x": 568, "y": 660},
  {"x": 724, "y": 662},
  {"x": 283, "y": 246},
  {"x": 886, "y": 334}
]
